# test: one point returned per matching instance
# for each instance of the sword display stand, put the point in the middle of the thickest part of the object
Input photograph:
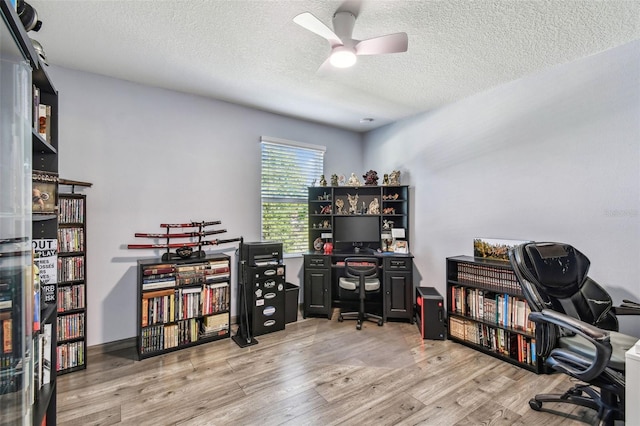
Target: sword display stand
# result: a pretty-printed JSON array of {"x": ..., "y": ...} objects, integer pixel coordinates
[
  {"x": 243, "y": 337},
  {"x": 184, "y": 250}
]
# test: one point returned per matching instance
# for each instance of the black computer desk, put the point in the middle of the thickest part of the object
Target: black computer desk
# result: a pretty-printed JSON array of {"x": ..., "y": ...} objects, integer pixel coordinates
[{"x": 323, "y": 271}]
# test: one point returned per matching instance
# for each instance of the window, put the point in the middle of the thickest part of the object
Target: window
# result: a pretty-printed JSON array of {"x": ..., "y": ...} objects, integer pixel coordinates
[{"x": 288, "y": 168}]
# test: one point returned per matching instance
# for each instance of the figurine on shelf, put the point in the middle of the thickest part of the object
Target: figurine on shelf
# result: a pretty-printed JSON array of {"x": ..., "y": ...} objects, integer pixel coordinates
[
  {"x": 326, "y": 224},
  {"x": 394, "y": 178},
  {"x": 353, "y": 180},
  {"x": 323, "y": 181},
  {"x": 388, "y": 210},
  {"x": 385, "y": 179},
  {"x": 387, "y": 224},
  {"x": 317, "y": 244},
  {"x": 374, "y": 206},
  {"x": 328, "y": 248},
  {"x": 353, "y": 204},
  {"x": 334, "y": 180},
  {"x": 326, "y": 209},
  {"x": 371, "y": 177},
  {"x": 340, "y": 206}
]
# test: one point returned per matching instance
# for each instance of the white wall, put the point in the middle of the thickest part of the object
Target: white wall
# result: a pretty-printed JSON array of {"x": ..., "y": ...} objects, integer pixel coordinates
[
  {"x": 550, "y": 157},
  {"x": 156, "y": 156}
]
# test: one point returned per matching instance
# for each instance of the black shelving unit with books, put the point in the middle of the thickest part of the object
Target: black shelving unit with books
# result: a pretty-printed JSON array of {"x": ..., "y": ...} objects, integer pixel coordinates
[
  {"x": 182, "y": 303},
  {"x": 32, "y": 347},
  {"x": 72, "y": 285},
  {"x": 487, "y": 311}
]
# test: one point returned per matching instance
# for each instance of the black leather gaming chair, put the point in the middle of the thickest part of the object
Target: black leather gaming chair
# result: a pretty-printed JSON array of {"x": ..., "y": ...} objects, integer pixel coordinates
[
  {"x": 576, "y": 326},
  {"x": 362, "y": 278}
]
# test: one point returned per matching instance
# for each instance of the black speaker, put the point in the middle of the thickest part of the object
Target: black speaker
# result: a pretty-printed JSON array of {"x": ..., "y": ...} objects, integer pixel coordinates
[{"x": 429, "y": 311}]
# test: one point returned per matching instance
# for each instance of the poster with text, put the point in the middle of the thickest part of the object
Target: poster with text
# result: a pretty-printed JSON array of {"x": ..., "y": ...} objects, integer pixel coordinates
[{"x": 46, "y": 255}]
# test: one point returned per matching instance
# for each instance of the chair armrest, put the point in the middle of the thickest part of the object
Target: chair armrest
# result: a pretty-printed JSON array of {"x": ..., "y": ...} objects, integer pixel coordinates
[
  {"x": 626, "y": 310},
  {"x": 628, "y": 307},
  {"x": 587, "y": 369}
]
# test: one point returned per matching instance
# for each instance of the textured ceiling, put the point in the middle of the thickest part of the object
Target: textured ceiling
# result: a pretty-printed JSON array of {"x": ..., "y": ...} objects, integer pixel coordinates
[{"x": 252, "y": 53}]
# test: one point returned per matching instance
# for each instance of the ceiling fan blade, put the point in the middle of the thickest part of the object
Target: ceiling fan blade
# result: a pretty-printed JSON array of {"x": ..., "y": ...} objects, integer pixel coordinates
[
  {"x": 390, "y": 43},
  {"x": 310, "y": 22}
]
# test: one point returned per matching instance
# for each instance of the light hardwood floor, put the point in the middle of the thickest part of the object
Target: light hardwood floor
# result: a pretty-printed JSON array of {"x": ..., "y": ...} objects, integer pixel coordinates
[{"x": 315, "y": 372}]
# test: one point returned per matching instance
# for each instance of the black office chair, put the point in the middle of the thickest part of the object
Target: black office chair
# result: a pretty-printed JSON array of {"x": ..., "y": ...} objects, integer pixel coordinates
[
  {"x": 362, "y": 277},
  {"x": 576, "y": 326}
]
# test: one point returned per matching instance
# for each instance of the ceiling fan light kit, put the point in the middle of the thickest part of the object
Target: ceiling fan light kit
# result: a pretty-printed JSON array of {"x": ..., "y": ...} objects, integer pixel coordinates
[
  {"x": 342, "y": 57},
  {"x": 344, "y": 48}
]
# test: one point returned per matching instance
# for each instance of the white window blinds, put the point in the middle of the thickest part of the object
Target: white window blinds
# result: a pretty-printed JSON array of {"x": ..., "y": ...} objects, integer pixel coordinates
[{"x": 288, "y": 168}]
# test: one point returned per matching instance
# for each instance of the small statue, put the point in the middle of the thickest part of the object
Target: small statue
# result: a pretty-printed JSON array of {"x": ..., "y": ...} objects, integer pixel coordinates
[
  {"x": 394, "y": 177},
  {"x": 385, "y": 179},
  {"x": 326, "y": 209},
  {"x": 387, "y": 224},
  {"x": 353, "y": 180},
  {"x": 371, "y": 177},
  {"x": 323, "y": 181},
  {"x": 340, "y": 206},
  {"x": 334, "y": 180},
  {"x": 374, "y": 207},
  {"x": 353, "y": 204}
]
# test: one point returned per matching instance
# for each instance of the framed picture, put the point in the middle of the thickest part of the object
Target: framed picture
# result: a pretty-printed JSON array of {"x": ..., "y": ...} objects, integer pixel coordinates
[
  {"x": 401, "y": 247},
  {"x": 44, "y": 192},
  {"x": 492, "y": 248}
]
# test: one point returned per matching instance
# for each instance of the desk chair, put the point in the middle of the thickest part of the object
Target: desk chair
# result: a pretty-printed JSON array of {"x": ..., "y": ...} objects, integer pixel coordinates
[
  {"x": 576, "y": 326},
  {"x": 361, "y": 277}
]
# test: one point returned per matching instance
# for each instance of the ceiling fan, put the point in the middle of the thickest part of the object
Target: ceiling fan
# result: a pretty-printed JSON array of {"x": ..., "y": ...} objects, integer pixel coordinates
[{"x": 344, "y": 48}]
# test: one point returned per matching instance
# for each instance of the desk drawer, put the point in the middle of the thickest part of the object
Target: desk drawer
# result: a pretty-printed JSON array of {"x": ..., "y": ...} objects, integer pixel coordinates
[
  {"x": 398, "y": 264},
  {"x": 317, "y": 261}
]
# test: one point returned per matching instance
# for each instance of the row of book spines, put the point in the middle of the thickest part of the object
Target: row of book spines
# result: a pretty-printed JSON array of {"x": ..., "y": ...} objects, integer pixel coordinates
[
  {"x": 41, "y": 116},
  {"x": 8, "y": 379},
  {"x": 70, "y": 268},
  {"x": 71, "y": 297},
  {"x": 182, "y": 304},
  {"x": 499, "y": 308},
  {"x": 497, "y": 278},
  {"x": 168, "y": 282},
  {"x": 71, "y": 326},
  {"x": 160, "y": 337},
  {"x": 70, "y": 355},
  {"x": 172, "y": 267},
  {"x": 70, "y": 210},
  {"x": 70, "y": 239},
  {"x": 515, "y": 346}
]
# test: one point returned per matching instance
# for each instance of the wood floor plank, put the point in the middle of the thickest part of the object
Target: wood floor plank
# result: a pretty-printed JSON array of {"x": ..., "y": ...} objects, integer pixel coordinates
[{"x": 315, "y": 372}]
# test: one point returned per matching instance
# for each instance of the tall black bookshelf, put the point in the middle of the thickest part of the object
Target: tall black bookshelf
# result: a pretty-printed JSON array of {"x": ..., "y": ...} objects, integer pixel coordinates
[
  {"x": 30, "y": 165},
  {"x": 72, "y": 278}
]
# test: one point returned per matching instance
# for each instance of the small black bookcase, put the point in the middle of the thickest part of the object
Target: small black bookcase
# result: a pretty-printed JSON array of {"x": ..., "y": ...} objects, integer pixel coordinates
[{"x": 182, "y": 303}]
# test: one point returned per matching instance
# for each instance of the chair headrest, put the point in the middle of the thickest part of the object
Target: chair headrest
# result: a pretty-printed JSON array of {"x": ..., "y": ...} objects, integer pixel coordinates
[{"x": 559, "y": 269}]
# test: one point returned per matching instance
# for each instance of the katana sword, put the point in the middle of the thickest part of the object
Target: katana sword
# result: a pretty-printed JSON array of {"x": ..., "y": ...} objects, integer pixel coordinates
[
  {"x": 181, "y": 234},
  {"x": 177, "y": 245},
  {"x": 190, "y": 225}
]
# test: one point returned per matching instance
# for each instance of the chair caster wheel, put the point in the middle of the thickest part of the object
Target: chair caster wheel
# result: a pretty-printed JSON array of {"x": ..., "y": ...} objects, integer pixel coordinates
[
  {"x": 535, "y": 404},
  {"x": 340, "y": 318},
  {"x": 575, "y": 392},
  {"x": 358, "y": 326},
  {"x": 380, "y": 322}
]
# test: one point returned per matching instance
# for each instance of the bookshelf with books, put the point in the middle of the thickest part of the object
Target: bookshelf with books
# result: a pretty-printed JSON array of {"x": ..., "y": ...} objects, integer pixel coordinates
[
  {"x": 488, "y": 312},
  {"x": 29, "y": 167},
  {"x": 182, "y": 303},
  {"x": 71, "y": 295}
]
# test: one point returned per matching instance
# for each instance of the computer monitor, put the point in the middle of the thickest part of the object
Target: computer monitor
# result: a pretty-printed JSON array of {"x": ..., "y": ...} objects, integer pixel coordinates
[{"x": 356, "y": 232}]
